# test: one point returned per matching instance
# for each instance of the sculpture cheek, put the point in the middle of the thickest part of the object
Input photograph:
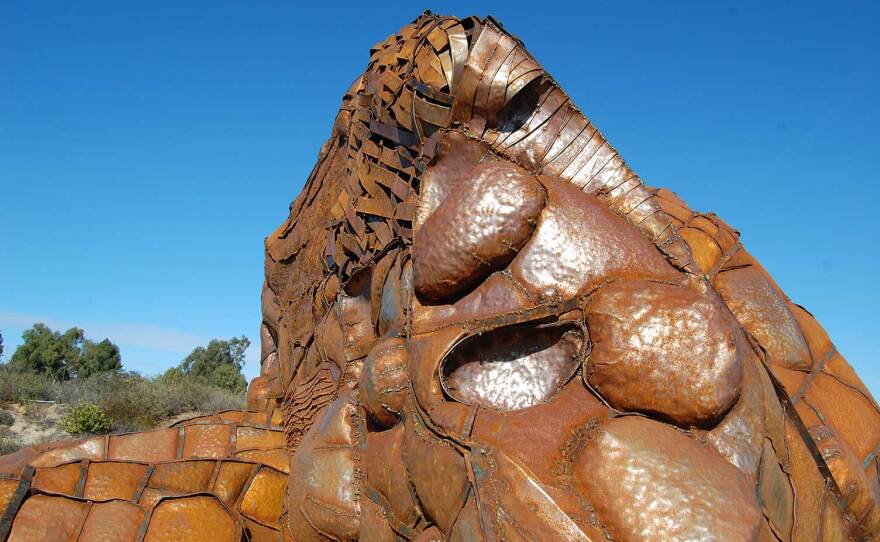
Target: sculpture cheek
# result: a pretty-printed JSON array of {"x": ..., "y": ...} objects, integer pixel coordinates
[
  {"x": 580, "y": 244},
  {"x": 664, "y": 350},
  {"x": 650, "y": 483}
]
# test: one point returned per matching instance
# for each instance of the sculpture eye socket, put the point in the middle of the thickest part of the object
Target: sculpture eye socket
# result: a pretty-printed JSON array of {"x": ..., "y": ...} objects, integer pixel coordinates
[
  {"x": 522, "y": 106},
  {"x": 513, "y": 367}
]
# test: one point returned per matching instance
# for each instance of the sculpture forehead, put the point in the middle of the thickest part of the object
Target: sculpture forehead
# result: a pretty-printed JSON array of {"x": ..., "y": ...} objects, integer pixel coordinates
[{"x": 434, "y": 76}]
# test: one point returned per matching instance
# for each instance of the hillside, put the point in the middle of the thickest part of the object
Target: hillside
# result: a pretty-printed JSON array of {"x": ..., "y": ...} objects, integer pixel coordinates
[{"x": 35, "y": 408}]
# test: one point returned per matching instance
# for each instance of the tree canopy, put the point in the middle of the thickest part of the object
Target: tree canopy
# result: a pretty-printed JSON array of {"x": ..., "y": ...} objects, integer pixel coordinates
[
  {"x": 67, "y": 355},
  {"x": 97, "y": 358},
  {"x": 64, "y": 355},
  {"x": 218, "y": 364}
]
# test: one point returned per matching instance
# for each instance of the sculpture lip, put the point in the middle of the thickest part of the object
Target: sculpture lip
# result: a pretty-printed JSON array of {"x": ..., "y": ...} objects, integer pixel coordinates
[{"x": 513, "y": 367}]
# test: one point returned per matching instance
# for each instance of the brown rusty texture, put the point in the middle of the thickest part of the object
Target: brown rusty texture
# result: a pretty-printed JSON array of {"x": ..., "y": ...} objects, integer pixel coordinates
[{"x": 480, "y": 324}]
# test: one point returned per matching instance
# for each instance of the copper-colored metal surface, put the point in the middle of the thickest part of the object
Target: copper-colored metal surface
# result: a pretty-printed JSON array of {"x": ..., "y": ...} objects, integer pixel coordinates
[
  {"x": 665, "y": 350},
  {"x": 513, "y": 368},
  {"x": 480, "y": 324},
  {"x": 452, "y": 254}
]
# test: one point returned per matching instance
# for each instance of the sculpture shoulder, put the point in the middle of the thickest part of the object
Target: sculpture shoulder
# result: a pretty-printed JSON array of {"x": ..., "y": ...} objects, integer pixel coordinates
[{"x": 210, "y": 477}]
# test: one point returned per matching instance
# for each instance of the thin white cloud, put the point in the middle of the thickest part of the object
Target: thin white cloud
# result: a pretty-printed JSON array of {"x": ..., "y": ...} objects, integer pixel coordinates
[
  {"x": 131, "y": 335},
  {"x": 128, "y": 335}
]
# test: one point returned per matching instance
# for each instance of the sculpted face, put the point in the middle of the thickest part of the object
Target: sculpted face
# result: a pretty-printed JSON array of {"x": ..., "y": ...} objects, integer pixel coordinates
[
  {"x": 529, "y": 342},
  {"x": 479, "y": 324}
]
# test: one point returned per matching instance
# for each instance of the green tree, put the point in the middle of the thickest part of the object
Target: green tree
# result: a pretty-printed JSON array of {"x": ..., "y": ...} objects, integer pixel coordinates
[
  {"x": 97, "y": 358},
  {"x": 48, "y": 352},
  {"x": 63, "y": 355},
  {"x": 218, "y": 364}
]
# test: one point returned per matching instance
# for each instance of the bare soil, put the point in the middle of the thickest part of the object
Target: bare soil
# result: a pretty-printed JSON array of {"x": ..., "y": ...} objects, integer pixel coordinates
[{"x": 35, "y": 423}]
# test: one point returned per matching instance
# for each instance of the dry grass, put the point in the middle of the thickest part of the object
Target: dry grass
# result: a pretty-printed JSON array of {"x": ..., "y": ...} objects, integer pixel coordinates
[{"x": 132, "y": 402}]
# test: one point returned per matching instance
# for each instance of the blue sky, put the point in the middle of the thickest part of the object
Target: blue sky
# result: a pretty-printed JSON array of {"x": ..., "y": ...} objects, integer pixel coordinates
[{"x": 146, "y": 149}]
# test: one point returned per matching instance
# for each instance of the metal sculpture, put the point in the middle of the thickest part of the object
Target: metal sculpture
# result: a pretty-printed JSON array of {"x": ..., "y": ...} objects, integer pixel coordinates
[{"x": 479, "y": 324}]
